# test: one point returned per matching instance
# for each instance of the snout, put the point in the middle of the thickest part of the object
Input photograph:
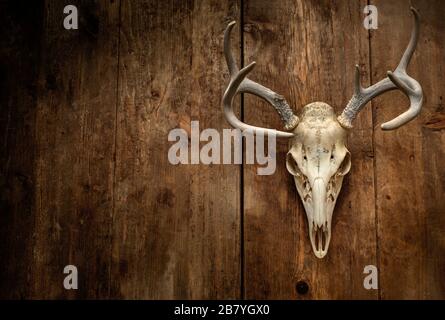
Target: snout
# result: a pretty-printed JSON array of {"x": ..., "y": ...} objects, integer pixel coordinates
[
  {"x": 319, "y": 201},
  {"x": 319, "y": 228}
]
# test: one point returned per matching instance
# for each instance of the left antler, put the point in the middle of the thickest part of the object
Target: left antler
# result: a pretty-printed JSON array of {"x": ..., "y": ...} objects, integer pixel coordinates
[
  {"x": 239, "y": 83},
  {"x": 399, "y": 79}
]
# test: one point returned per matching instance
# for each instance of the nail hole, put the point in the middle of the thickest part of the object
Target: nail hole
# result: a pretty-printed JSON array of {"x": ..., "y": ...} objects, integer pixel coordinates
[{"x": 302, "y": 287}]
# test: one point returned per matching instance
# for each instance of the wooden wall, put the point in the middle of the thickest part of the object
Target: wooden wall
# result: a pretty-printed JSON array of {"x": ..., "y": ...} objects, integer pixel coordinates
[{"x": 85, "y": 178}]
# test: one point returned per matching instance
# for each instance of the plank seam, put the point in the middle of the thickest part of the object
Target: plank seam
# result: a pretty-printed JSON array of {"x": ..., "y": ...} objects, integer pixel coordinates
[
  {"x": 113, "y": 208},
  {"x": 374, "y": 163}
]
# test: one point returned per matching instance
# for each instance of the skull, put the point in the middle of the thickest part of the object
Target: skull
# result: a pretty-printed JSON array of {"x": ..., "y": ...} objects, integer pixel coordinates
[{"x": 318, "y": 160}]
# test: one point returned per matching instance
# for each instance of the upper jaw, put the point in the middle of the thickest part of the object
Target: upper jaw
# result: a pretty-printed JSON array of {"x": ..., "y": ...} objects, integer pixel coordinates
[
  {"x": 320, "y": 237},
  {"x": 319, "y": 223},
  {"x": 319, "y": 212}
]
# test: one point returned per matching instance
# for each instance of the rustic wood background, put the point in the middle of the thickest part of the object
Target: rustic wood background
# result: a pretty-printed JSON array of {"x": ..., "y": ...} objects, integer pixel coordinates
[{"x": 85, "y": 180}]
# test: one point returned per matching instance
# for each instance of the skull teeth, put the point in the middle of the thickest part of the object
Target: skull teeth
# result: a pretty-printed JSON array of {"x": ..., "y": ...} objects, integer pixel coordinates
[{"x": 320, "y": 237}]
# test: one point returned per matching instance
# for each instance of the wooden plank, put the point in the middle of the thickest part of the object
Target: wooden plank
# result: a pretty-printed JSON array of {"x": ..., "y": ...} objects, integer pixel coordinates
[
  {"x": 75, "y": 144},
  {"x": 409, "y": 162},
  {"x": 176, "y": 228},
  {"x": 306, "y": 50},
  {"x": 20, "y": 36}
]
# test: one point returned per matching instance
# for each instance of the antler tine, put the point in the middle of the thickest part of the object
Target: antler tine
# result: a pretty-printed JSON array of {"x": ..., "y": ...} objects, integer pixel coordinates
[
  {"x": 239, "y": 83},
  {"x": 231, "y": 64},
  {"x": 398, "y": 79},
  {"x": 406, "y": 58}
]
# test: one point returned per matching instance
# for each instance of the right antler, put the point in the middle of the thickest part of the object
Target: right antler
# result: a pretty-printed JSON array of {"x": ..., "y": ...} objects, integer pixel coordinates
[
  {"x": 397, "y": 79},
  {"x": 239, "y": 83}
]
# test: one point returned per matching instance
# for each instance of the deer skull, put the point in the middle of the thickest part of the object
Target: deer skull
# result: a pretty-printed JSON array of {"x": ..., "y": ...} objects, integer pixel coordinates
[{"x": 318, "y": 158}]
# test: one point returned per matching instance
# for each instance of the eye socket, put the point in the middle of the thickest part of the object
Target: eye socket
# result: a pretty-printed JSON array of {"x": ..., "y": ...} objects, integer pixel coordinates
[
  {"x": 345, "y": 165},
  {"x": 305, "y": 158},
  {"x": 292, "y": 165}
]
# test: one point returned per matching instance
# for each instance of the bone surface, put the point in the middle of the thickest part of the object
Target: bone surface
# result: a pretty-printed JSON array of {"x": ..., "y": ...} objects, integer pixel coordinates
[{"x": 318, "y": 159}]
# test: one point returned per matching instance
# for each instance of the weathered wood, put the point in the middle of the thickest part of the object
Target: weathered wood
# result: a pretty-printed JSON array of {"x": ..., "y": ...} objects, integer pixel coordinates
[
  {"x": 20, "y": 36},
  {"x": 175, "y": 228},
  {"x": 85, "y": 177},
  {"x": 75, "y": 124},
  {"x": 409, "y": 178},
  {"x": 306, "y": 50}
]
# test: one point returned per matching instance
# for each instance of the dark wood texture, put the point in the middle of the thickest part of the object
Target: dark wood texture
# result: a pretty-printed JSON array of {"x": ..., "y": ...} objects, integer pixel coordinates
[
  {"x": 175, "y": 228},
  {"x": 85, "y": 177},
  {"x": 75, "y": 150},
  {"x": 20, "y": 36}
]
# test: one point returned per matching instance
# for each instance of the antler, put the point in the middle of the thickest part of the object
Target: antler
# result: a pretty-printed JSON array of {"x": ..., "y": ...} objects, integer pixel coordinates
[
  {"x": 398, "y": 79},
  {"x": 239, "y": 83}
]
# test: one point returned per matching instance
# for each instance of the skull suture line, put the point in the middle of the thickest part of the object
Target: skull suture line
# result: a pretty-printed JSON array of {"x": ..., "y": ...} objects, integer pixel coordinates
[{"x": 318, "y": 158}]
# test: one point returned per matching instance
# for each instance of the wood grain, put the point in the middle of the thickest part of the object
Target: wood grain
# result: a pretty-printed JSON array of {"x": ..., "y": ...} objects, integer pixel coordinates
[
  {"x": 410, "y": 182},
  {"x": 175, "y": 228},
  {"x": 19, "y": 57},
  {"x": 85, "y": 178},
  {"x": 306, "y": 51},
  {"x": 75, "y": 125}
]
